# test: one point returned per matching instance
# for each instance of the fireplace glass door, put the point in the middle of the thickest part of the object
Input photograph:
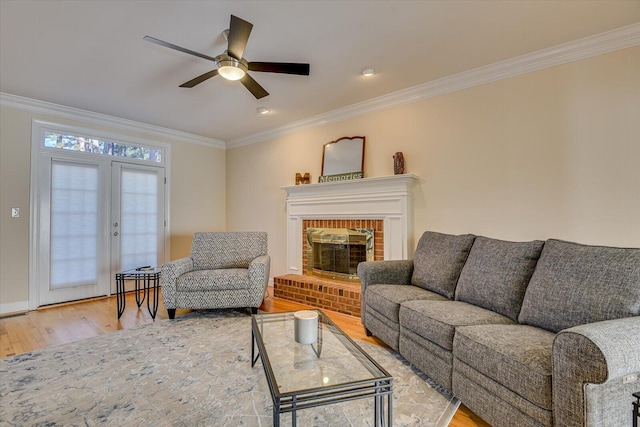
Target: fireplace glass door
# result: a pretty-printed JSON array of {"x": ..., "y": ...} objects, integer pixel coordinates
[{"x": 336, "y": 252}]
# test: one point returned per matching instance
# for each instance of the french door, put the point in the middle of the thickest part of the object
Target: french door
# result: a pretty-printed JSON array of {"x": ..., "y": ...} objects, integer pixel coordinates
[
  {"x": 137, "y": 218},
  {"x": 96, "y": 217}
]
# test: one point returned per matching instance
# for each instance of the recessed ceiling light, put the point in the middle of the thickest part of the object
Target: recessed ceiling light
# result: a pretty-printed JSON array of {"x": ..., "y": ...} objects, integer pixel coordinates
[
  {"x": 368, "y": 72},
  {"x": 263, "y": 110}
]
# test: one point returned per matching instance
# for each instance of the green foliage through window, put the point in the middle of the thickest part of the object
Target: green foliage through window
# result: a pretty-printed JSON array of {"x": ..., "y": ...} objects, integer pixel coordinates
[{"x": 89, "y": 145}]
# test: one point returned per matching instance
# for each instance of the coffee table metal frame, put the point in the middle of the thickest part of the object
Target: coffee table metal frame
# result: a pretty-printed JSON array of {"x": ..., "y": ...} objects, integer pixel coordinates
[
  {"x": 378, "y": 387},
  {"x": 636, "y": 409},
  {"x": 144, "y": 281}
]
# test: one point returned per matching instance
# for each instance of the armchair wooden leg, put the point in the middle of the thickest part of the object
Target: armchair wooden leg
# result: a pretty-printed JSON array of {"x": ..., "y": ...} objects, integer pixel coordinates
[
  {"x": 367, "y": 332},
  {"x": 171, "y": 312},
  {"x": 254, "y": 310}
]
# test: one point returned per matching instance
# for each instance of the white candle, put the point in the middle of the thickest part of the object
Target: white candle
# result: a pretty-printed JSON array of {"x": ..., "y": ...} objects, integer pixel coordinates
[{"x": 305, "y": 326}]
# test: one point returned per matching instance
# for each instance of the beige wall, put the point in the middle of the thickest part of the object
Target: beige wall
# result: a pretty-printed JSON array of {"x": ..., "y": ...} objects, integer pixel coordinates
[
  {"x": 552, "y": 153},
  {"x": 197, "y": 194}
]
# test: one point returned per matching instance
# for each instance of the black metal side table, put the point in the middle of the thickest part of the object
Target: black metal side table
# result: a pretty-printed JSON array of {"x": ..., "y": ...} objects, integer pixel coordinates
[
  {"x": 145, "y": 279},
  {"x": 636, "y": 409}
]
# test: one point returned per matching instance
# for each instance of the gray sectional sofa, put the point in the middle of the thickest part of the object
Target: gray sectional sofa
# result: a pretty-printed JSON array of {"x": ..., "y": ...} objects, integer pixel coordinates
[{"x": 523, "y": 333}]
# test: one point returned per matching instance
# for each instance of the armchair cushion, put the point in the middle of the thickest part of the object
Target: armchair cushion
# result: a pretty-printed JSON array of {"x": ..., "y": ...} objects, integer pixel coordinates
[
  {"x": 213, "y": 280},
  {"x": 211, "y": 251}
]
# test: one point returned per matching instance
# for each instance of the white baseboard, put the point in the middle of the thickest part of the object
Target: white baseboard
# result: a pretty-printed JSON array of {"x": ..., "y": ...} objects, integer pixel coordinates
[{"x": 14, "y": 307}]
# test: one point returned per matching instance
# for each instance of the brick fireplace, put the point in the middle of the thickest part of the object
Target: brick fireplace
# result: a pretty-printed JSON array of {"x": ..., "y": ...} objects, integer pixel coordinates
[{"x": 383, "y": 204}]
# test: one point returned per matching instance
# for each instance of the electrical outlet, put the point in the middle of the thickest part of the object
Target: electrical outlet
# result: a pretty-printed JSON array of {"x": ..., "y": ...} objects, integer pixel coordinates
[
  {"x": 631, "y": 378},
  {"x": 15, "y": 212}
]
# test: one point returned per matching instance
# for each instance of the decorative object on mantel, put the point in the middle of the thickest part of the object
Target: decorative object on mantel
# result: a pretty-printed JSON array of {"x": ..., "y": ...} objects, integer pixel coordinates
[
  {"x": 303, "y": 179},
  {"x": 343, "y": 159},
  {"x": 398, "y": 163}
]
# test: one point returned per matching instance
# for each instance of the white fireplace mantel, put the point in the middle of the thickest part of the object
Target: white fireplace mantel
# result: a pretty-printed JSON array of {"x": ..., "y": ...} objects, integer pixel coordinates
[{"x": 388, "y": 198}]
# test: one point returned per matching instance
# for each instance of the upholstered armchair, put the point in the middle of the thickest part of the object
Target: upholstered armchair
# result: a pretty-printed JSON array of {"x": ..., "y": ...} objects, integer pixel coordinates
[{"x": 225, "y": 270}]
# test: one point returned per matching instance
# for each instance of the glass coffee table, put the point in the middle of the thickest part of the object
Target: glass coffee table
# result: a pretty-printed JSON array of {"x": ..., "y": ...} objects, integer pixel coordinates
[{"x": 334, "y": 369}]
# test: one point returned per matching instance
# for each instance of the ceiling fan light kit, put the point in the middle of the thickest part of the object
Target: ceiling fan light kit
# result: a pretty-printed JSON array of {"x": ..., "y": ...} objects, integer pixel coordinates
[
  {"x": 231, "y": 65},
  {"x": 230, "y": 68}
]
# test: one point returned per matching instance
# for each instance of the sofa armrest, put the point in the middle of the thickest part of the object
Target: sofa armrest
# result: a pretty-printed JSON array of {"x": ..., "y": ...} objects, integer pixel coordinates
[
  {"x": 259, "y": 278},
  {"x": 390, "y": 272},
  {"x": 168, "y": 277},
  {"x": 589, "y": 363},
  {"x": 396, "y": 272}
]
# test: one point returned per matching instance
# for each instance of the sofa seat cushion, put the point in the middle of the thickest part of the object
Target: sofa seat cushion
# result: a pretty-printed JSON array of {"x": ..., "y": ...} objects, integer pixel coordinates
[
  {"x": 516, "y": 356},
  {"x": 386, "y": 299},
  {"x": 436, "y": 320},
  {"x": 575, "y": 284},
  {"x": 497, "y": 273},
  {"x": 213, "y": 280},
  {"x": 438, "y": 260}
]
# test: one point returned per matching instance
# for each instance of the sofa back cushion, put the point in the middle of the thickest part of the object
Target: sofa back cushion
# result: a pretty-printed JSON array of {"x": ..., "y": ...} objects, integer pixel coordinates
[
  {"x": 438, "y": 261},
  {"x": 213, "y": 250},
  {"x": 574, "y": 284},
  {"x": 497, "y": 273}
]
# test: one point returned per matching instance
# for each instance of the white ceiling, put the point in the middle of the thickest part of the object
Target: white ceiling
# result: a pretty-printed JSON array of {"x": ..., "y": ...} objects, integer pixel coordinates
[{"x": 90, "y": 54}]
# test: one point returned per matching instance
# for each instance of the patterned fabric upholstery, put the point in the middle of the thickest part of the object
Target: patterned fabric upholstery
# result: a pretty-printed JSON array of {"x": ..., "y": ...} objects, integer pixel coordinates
[
  {"x": 576, "y": 284},
  {"x": 213, "y": 280},
  {"x": 226, "y": 250},
  {"x": 438, "y": 261},
  {"x": 218, "y": 274},
  {"x": 497, "y": 273}
]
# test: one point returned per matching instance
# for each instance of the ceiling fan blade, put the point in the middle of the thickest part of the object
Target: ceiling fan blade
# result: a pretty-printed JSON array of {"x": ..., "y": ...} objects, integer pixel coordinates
[
  {"x": 253, "y": 86},
  {"x": 178, "y": 48},
  {"x": 239, "y": 31},
  {"x": 280, "y": 67},
  {"x": 200, "y": 79}
]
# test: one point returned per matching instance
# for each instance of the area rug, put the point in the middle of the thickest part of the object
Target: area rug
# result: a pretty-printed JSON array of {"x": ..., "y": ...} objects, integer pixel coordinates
[{"x": 191, "y": 371}]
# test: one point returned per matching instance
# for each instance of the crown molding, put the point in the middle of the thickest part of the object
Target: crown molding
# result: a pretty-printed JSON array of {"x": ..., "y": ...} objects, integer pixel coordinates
[
  {"x": 70, "y": 113},
  {"x": 583, "y": 48}
]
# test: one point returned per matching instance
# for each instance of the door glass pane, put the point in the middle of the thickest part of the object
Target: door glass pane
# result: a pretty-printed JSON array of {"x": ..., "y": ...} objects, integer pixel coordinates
[
  {"x": 74, "y": 225},
  {"x": 139, "y": 217}
]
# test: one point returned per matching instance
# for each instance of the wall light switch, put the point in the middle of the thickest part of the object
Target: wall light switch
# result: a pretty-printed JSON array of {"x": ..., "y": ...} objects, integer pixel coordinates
[{"x": 15, "y": 212}]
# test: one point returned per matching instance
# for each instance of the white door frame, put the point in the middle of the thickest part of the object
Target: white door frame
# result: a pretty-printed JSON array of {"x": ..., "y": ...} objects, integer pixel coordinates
[{"x": 39, "y": 153}]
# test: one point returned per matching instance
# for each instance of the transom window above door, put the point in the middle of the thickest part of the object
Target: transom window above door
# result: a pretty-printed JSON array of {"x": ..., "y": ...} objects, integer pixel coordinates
[{"x": 85, "y": 144}]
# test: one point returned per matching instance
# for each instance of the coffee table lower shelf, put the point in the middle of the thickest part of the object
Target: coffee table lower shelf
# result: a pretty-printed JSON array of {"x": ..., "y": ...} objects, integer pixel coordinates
[{"x": 379, "y": 387}]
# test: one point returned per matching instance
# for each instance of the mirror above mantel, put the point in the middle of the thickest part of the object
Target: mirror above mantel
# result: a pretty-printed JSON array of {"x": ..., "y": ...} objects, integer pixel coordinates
[{"x": 343, "y": 159}]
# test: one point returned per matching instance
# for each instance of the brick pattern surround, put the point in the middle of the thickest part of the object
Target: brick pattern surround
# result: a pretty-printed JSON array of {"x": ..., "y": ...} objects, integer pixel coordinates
[
  {"x": 343, "y": 297},
  {"x": 331, "y": 295}
]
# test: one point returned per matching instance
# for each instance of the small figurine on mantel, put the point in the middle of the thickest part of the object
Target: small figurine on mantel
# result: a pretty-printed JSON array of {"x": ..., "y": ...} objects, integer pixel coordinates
[
  {"x": 303, "y": 179},
  {"x": 398, "y": 163}
]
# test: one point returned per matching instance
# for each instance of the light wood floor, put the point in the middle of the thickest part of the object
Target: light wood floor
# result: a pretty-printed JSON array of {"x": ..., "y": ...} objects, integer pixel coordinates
[{"x": 75, "y": 321}]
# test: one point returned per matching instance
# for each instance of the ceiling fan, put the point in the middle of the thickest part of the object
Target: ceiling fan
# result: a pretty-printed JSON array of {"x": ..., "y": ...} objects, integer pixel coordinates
[{"x": 231, "y": 65}]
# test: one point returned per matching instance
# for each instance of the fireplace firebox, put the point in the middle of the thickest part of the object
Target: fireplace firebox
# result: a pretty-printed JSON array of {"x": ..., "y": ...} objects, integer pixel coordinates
[{"x": 336, "y": 252}]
